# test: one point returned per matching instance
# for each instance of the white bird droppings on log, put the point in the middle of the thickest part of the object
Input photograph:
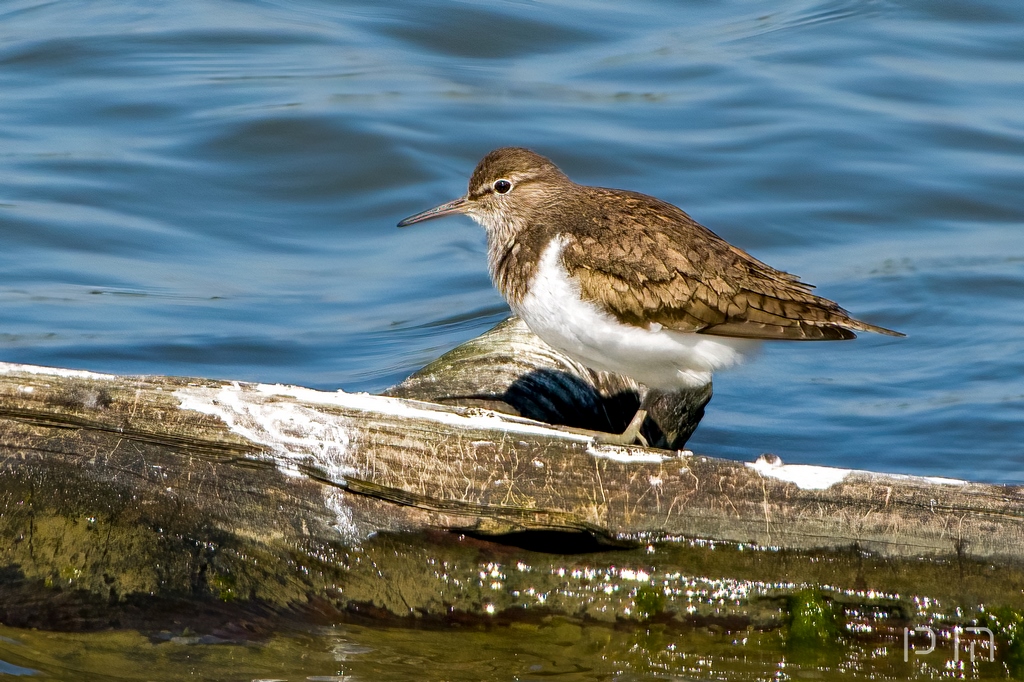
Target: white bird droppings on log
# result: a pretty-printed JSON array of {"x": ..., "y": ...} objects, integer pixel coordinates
[
  {"x": 804, "y": 476},
  {"x": 14, "y": 368},
  {"x": 626, "y": 454}
]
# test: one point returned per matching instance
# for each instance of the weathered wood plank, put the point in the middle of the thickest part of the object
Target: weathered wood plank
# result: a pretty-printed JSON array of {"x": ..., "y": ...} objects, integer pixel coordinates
[{"x": 114, "y": 489}]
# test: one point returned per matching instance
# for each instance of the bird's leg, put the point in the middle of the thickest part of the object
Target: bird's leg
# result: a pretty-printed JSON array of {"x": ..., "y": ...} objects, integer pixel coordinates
[{"x": 632, "y": 433}]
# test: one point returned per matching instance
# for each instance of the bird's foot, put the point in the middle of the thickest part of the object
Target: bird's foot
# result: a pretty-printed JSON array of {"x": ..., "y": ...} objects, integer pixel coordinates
[{"x": 628, "y": 437}]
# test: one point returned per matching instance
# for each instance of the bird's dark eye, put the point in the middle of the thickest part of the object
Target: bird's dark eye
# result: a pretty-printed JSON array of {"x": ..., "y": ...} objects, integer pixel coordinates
[{"x": 502, "y": 186}]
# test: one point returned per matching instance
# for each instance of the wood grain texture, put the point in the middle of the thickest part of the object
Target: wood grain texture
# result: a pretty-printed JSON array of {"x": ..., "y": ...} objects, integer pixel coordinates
[{"x": 122, "y": 497}]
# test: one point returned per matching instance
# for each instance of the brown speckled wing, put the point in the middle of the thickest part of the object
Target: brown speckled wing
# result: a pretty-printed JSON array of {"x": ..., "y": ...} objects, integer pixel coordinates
[{"x": 646, "y": 261}]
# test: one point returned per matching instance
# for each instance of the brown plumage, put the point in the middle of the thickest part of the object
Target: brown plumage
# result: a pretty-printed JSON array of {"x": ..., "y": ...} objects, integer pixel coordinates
[
  {"x": 640, "y": 259},
  {"x": 673, "y": 271},
  {"x": 635, "y": 280}
]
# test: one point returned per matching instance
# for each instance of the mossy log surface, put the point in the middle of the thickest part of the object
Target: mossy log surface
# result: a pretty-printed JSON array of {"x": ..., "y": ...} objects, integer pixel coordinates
[{"x": 126, "y": 497}]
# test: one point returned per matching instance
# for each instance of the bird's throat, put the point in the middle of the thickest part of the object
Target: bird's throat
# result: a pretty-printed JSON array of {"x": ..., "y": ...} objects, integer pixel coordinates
[{"x": 512, "y": 256}]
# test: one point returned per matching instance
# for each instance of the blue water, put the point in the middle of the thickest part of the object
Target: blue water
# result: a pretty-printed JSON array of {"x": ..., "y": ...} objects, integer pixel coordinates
[{"x": 210, "y": 188}]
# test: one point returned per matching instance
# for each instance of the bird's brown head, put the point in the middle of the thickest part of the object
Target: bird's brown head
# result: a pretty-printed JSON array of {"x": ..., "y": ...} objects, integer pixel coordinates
[{"x": 508, "y": 186}]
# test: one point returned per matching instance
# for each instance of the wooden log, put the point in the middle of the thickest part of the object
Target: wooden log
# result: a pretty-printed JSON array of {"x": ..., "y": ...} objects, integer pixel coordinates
[
  {"x": 510, "y": 370},
  {"x": 118, "y": 493}
]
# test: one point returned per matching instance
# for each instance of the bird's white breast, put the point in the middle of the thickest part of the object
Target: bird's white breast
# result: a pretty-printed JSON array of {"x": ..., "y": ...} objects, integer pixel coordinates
[{"x": 655, "y": 356}]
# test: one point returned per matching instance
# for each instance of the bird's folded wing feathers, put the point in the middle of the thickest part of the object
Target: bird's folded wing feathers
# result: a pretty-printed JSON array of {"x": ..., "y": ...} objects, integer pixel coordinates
[{"x": 684, "y": 277}]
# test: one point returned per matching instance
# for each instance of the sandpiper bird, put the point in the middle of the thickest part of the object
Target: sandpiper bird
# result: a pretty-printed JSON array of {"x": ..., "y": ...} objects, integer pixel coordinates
[{"x": 623, "y": 282}]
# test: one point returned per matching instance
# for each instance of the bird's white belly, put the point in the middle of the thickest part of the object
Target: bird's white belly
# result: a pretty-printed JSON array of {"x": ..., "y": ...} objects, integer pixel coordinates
[{"x": 657, "y": 357}]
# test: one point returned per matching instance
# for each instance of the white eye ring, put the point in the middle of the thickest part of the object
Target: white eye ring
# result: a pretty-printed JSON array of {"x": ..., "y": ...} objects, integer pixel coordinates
[{"x": 502, "y": 186}]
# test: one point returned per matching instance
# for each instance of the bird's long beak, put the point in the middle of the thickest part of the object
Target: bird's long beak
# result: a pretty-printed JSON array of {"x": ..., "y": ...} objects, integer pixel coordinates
[{"x": 457, "y": 206}]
